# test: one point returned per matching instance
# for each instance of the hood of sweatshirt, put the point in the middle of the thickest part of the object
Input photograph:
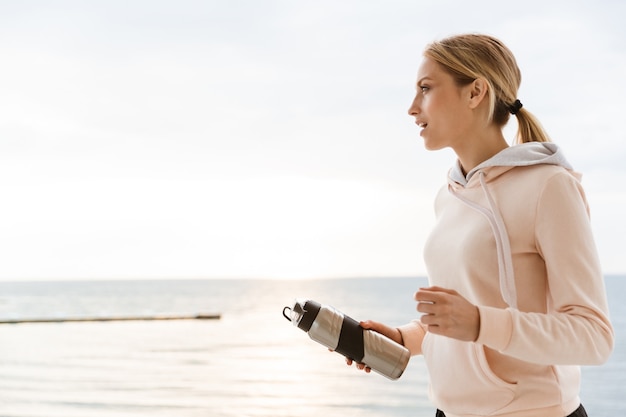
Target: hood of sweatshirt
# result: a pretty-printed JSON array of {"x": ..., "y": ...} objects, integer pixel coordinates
[{"x": 526, "y": 154}]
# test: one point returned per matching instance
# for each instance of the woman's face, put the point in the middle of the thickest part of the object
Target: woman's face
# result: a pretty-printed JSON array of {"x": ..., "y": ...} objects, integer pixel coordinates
[{"x": 441, "y": 108}]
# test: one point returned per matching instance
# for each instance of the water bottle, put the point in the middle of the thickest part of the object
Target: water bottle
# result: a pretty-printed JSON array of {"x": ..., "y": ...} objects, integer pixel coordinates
[{"x": 340, "y": 333}]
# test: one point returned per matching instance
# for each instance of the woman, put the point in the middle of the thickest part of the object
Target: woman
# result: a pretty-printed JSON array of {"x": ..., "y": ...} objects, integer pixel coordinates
[{"x": 516, "y": 301}]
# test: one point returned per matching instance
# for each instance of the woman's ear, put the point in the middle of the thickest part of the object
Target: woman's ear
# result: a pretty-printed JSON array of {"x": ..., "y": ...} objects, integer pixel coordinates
[{"x": 478, "y": 92}]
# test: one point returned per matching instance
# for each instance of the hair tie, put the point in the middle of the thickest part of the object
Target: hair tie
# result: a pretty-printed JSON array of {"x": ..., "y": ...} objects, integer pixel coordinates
[{"x": 515, "y": 107}]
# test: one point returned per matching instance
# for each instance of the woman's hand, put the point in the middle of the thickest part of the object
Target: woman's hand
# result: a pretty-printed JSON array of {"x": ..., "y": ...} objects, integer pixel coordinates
[
  {"x": 392, "y": 333},
  {"x": 447, "y": 313}
]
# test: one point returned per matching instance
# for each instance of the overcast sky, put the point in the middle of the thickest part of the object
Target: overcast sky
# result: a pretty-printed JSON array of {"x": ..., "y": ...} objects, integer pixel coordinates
[{"x": 266, "y": 138}]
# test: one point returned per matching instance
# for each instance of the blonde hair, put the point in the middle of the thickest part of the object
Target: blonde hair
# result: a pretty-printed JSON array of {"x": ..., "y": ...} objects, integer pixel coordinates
[{"x": 472, "y": 56}]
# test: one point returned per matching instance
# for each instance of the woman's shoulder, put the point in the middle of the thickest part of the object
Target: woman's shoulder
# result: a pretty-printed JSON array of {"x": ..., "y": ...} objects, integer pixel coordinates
[{"x": 544, "y": 173}]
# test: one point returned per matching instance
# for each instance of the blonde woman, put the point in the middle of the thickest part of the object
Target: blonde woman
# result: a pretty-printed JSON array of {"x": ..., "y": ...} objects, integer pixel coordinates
[{"x": 516, "y": 301}]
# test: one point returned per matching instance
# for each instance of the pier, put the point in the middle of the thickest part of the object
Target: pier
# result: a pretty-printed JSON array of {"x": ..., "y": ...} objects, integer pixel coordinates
[{"x": 114, "y": 318}]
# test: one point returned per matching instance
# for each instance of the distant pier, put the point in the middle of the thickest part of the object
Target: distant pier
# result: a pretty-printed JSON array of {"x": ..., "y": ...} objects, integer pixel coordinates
[{"x": 114, "y": 318}]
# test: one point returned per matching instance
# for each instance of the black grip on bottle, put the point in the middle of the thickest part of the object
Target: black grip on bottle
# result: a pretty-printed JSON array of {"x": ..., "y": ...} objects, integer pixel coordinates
[
  {"x": 311, "y": 309},
  {"x": 351, "y": 340}
]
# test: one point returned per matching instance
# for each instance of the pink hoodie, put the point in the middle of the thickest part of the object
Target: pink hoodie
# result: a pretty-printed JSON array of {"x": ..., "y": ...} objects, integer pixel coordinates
[{"x": 514, "y": 238}]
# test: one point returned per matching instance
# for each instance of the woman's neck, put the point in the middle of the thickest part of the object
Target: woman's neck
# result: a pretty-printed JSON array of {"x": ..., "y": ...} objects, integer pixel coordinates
[{"x": 478, "y": 149}]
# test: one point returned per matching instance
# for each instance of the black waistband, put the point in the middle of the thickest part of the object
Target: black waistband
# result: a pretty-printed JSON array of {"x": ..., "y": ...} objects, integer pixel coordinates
[{"x": 580, "y": 412}]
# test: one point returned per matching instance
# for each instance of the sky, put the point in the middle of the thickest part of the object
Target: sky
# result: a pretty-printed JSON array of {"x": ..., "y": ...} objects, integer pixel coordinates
[{"x": 269, "y": 138}]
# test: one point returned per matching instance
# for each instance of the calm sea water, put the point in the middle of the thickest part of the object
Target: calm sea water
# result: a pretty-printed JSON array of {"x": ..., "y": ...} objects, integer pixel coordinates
[{"x": 251, "y": 362}]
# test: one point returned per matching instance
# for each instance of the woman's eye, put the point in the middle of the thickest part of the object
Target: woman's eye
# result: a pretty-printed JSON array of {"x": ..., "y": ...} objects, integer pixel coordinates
[{"x": 424, "y": 88}]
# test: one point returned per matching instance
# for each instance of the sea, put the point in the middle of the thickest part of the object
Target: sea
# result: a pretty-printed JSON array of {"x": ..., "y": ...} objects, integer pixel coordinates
[{"x": 249, "y": 362}]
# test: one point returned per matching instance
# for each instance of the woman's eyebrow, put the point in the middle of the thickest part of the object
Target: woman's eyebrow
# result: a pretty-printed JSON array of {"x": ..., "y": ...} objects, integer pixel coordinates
[{"x": 423, "y": 79}]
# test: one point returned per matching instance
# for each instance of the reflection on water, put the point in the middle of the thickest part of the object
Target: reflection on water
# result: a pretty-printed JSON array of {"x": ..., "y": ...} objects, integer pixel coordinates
[
  {"x": 232, "y": 367},
  {"x": 252, "y": 362}
]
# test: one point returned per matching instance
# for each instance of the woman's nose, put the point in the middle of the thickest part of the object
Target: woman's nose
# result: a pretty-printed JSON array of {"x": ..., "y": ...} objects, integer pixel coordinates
[{"x": 414, "y": 109}]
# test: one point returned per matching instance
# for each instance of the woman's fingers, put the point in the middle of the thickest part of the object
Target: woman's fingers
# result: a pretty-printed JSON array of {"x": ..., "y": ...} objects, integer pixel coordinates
[
  {"x": 360, "y": 366},
  {"x": 447, "y": 313},
  {"x": 390, "y": 332}
]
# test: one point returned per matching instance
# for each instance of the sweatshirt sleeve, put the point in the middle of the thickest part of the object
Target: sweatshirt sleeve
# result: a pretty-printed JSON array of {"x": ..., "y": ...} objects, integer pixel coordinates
[
  {"x": 576, "y": 329},
  {"x": 412, "y": 336}
]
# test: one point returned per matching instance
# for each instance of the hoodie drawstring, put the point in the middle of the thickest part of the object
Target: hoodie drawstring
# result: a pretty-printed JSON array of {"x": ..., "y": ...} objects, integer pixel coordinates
[{"x": 505, "y": 259}]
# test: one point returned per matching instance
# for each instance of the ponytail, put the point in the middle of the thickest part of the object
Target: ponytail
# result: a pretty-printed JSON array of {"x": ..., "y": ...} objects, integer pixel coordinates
[{"x": 529, "y": 129}]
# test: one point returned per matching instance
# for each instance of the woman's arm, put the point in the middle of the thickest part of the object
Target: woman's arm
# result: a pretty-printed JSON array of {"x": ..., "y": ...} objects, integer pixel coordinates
[{"x": 576, "y": 329}]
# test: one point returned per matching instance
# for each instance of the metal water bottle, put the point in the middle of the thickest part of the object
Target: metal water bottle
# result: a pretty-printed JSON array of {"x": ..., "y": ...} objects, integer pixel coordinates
[{"x": 338, "y": 332}]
